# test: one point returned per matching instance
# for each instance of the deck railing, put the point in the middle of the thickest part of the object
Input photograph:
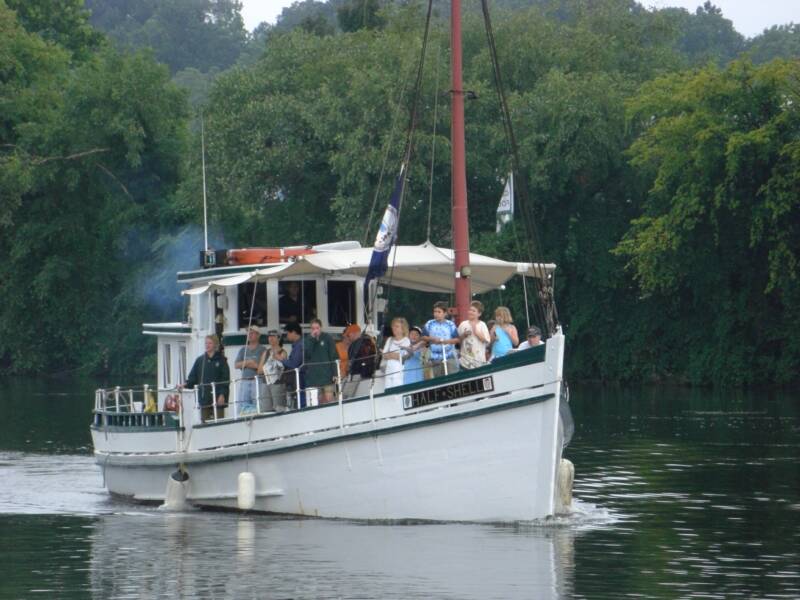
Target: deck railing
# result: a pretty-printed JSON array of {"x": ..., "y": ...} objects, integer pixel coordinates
[
  {"x": 149, "y": 400},
  {"x": 178, "y": 401}
]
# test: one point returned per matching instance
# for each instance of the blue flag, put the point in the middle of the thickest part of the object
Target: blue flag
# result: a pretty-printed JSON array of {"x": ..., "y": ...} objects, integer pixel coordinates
[{"x": 385, "y": 239}]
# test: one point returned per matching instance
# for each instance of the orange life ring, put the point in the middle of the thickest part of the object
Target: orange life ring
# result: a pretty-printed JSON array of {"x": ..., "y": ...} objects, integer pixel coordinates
[{"x": 254, "y": 256}]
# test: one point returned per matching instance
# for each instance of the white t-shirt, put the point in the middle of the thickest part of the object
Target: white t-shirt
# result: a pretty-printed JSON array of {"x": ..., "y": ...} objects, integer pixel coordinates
[
  {"x": 393, "y": 368},
  {"x": 473, "y": 349},
  {"x": 526, "y": 344}
]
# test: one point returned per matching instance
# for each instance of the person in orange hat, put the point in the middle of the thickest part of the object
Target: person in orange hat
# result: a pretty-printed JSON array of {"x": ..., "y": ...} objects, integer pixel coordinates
[{"x": 350, "y": 334}]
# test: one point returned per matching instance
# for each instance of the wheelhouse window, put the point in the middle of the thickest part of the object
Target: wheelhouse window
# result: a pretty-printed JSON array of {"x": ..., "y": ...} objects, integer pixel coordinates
[
  {"x": 181, "y": 363},
  {"x": 297, "y": 301},
  {"x": 166, "y": 366},
  {"x": 341, "y": 303},
  {"x": 252, "y": 300}
]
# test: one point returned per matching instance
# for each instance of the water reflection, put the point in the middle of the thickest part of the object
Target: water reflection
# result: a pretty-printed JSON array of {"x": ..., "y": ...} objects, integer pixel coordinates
[
  {"x": 217, "y": 554},
  {"x": 681, "y": 493}
]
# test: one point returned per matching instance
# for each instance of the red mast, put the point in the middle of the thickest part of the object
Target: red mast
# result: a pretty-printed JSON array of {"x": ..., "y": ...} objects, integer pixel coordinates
[{"x": 458, "y": 169}]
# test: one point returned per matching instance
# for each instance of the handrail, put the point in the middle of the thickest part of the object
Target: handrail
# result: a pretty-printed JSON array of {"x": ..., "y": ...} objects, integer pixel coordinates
[{"x": 134, "y": 399}]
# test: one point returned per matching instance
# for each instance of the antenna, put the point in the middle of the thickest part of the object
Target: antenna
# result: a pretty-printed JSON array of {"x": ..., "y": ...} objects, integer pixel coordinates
[{"x": 205, "y": 203}]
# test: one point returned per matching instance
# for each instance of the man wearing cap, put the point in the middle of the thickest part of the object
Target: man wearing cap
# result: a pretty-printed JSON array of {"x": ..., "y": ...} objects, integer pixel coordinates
[
  {"x": 294, "y": 335},
  {"x": 247, "y": 360},
  {"x": 534, "y": 339}
]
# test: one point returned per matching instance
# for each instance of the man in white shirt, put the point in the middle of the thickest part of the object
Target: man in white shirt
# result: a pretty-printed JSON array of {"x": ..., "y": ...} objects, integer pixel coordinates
[{"x": 534, "y": 339}]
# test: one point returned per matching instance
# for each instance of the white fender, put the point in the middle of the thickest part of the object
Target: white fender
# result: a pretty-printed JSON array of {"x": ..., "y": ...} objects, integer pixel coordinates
[{"x": 246, "y": 493}]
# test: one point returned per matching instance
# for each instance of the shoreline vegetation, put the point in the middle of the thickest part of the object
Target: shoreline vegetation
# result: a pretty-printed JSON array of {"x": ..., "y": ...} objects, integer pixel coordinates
[{"x": 660, "y": 150}]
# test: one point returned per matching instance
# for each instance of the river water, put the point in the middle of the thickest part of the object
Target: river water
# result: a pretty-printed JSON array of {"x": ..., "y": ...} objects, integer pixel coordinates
[{"x": 679, "y": 494}]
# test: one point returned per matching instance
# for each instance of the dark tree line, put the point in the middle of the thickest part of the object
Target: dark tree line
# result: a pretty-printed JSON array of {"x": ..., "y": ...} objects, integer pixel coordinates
[{"x": 659, "y": 147}]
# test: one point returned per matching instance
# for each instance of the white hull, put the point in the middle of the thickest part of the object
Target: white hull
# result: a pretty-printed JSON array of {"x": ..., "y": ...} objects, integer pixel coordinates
[{"x": 489, "y": 456}]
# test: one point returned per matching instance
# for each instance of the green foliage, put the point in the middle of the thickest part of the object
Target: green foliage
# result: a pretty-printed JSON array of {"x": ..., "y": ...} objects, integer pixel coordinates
[
  {"x": 779, "y": 41},
  {"x": 689, "y": 178},
  {"x": 63, "y": 22},
  {"x": 199, "y": 34},
  {"x": 721, "y": 224},
  {"x": 706, "y": 35},
  {"x": 360, "y": 14},
  {"x": 89, "y": 155}
]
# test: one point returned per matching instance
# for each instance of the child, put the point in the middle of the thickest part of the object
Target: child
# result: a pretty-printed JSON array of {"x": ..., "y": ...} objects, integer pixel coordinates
[
  {"x": 394, "y": 350},
  {"x": 415, "y": 357},
  {"x": 441, "y": 336},
  {"x": 474, "y": 337},
  {"x": 504, "y": 334}
]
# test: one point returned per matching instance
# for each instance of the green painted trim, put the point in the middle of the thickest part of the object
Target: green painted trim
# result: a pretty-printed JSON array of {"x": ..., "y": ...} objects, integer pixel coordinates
[
  {"x": 170, "y": 422},
  {"x": 386, "y": 431},
  {"x": 516, "y": 359},
  {"x": 210, "y": 273},
  {"x": 158, "y": 331}
]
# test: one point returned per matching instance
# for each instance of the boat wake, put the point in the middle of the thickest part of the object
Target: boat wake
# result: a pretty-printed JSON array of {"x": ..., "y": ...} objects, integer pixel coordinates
[{"x": 52, "y": 484}]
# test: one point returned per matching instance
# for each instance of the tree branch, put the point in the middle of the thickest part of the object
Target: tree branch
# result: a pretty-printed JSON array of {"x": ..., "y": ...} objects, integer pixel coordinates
[{"x": 114, "y": 177}]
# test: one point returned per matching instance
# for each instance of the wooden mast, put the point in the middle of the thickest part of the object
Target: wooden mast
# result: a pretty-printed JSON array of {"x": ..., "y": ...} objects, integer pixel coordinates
[{"x": 458, "y": 169}]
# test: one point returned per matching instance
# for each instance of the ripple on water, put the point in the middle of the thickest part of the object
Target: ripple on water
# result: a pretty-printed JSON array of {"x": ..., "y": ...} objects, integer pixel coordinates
[{"x": 51, "y": 484}]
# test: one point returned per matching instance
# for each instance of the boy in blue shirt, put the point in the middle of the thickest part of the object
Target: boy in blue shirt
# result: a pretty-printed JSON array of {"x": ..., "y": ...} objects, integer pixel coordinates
[{"x": 441, "y": 335}]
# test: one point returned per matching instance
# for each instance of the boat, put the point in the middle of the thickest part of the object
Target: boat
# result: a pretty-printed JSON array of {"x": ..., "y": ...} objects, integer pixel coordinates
[{"x": 482, "y": 444}]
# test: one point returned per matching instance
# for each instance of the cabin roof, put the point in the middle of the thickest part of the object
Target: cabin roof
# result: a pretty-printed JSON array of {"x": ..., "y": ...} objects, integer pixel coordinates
[{"x": 426, "y": 267}]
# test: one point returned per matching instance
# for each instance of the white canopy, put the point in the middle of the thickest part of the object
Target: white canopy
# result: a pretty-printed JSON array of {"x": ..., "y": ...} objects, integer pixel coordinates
[{"x": 426, "y": 268}]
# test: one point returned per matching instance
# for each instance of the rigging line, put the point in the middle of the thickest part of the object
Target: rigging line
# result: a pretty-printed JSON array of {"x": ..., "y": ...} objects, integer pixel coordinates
[
  {"x": 433, "y": 140},
  {"x": 511, "y": 149},
  {"x": 395, "y": 121},
  {"x": 547, "y": 305},
  {"x": 412, "y": 124}
]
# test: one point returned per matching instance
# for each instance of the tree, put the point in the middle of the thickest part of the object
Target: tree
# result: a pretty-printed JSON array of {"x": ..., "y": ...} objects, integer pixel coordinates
[
  {"x": 779, "y": 41},
  {"x": 89, "y": 154},
  {"x": 63, "y": 22},
  {"x": 200, "y": 34},
  {"x": 705, "y": 36},
  {"x": 721, "y": 227}
]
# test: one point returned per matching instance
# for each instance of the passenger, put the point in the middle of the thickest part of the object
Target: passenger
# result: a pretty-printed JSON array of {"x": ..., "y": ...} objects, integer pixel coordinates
[
  {"x": 247, "y": 360},
  {"x": 490, "y": 326},
  {"x": 441, "y": 335},
  {"x": 364, "y": 360},
  {"x": 504, "y": 334},
  {"x": 395, "y": 350},
  {"x": 294, "y": 335},
  {"x": 416, "y": 357},
  {"x": 350, "y": 334},
  {"x": 534, "y": 339},
  {"x": 210, "y": 367},
  {"x": 270, "y": 369},
  {"x": 320, "y": 358},
  {"x": 290, "y": 304},
  {"x": 475, "y": 337}
]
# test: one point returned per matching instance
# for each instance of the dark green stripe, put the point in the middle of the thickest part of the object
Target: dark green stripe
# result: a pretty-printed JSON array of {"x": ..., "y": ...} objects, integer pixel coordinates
[
  {"x": 202, "y": 273},
  {"x": 388, "y": 430}
]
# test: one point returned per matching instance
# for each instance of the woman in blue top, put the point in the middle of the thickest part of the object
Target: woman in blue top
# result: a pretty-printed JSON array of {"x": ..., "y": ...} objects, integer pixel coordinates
[
  {"x": 413, "y": 366},
  {"x": 504, "y": 334}
]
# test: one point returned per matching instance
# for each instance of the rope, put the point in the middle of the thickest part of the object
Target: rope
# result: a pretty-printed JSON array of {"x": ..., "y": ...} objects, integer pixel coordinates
[
  {"x": 433, "y": 142},
  {"x": 545, "y": 301},
  {"x": 412, "y": 124}
]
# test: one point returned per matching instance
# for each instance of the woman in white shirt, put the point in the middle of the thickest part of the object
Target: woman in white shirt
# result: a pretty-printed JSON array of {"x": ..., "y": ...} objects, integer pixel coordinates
[
  {"x": 394, "y": 351},
  {"x": 474, "y": 336}
]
